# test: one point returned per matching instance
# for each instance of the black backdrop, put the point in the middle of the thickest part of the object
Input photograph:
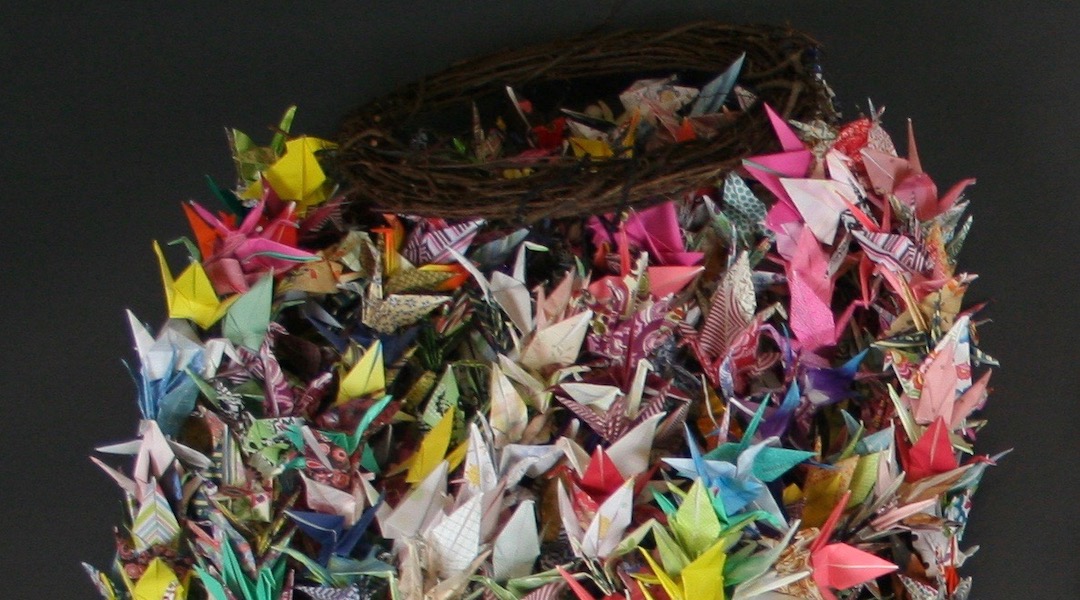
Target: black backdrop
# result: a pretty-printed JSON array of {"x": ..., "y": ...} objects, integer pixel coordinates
[{"x": 111, "y": 116}]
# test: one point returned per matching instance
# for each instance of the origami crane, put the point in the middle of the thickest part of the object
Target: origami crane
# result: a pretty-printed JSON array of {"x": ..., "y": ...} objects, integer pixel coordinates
[
  {"x": 366, "y": 376},
  {"x": 156, "y": 458},
  {"x": 945, "y": 389},
  {"x": 231, "y": 582},
  {"x": 236, "y": 257},
  {"x": 158, "y": 581},
  {"x": 691, "y": 548},
  {"x": 610, "y": 412},
  {"x": 331, "y": 531},
  {"x": 793, "y": 161},
  {"x": 841, "y": 566},
  {"x": 742, "y": 483},
  {"x": 297, "y": 175},
  {"x": 905, "y": 179},
  {"x": 167, "y": 389},
  {"x": 605, "y": 529},
  {"x": 191, "y": 295}
]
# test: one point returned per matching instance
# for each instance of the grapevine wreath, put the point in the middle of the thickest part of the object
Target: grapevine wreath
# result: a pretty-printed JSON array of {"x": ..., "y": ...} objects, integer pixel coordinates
[{"x": 623, "y": 316}]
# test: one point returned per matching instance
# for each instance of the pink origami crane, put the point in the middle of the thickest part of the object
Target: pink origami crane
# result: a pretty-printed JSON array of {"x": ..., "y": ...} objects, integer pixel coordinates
[
  {"x": 656, "y": 231},
  {"x": 841, "y": 566},
  {"x": 236, "y": 257},
  {"x": 793, "y": 161},
  {"x": 905, "y": 179}
]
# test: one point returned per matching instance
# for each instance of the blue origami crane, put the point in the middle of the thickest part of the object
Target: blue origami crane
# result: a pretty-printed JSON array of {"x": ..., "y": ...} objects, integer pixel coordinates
[
  {"x": 331, "y": 532},
  {"x": 737, "y": 473}
]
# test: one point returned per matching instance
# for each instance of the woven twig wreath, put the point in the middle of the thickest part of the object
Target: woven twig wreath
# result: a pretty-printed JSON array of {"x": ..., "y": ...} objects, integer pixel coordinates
[{"x": 389, "y": 170}]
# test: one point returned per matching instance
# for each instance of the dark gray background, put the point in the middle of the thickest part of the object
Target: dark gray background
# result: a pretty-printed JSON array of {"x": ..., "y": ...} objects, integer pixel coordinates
[{"x": 111, "y": 116}]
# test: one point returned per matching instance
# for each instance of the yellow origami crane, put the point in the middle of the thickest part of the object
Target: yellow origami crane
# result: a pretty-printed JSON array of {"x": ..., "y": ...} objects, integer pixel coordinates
[
  {"x": 367, "y": 376},
  {"x": 702, "y": 579},
  {"x": 432, "y": 449},
  {"x": 583, "y": 147},
  {"x": 156, "y": 581},
  {"x": 297, "y": 175},
  {"x": 699, "y": 536},
  {"x": 191, "y": 295}
]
